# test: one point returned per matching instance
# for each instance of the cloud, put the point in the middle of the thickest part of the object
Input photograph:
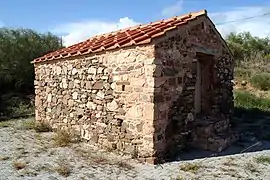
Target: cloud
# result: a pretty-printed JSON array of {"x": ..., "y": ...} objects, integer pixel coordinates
[
  {"x": 173, "y": 9},
  {"x": 78, "y": 31},
  {"x": 258, "y": 26}
]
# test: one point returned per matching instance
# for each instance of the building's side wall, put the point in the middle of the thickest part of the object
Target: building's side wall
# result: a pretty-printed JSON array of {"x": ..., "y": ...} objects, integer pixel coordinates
[
  {"x": 108, "y": 98},
  {"x": 175, "y": 86}
]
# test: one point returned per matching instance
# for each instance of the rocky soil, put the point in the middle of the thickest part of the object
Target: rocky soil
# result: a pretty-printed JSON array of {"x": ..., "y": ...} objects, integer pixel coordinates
[{"x": 26, "y": 154}]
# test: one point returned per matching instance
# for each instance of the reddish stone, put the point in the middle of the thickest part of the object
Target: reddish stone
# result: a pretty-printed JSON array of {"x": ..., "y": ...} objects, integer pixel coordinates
[
  {"x": 98, "y": 85},
  {"x": 151, "y": 160}
]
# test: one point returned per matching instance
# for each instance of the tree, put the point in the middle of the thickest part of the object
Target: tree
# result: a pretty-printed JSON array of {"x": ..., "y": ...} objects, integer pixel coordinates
[
  {"x": 245, "y": 47},
  {"x": 18, "y": 47}
]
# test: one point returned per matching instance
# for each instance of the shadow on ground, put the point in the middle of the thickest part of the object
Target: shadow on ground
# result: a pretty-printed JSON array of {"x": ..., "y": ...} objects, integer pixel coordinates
[{"x": 252, "y": 125}]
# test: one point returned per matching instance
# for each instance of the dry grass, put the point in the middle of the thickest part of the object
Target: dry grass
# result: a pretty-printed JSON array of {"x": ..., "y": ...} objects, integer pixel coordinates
[
  {"x": 99, "y": 159},
  {"x": 63, "y": 168},
  {"x": 4, "y": 158},
  {"x": 65, "y": 137},
  {"x": 19, "y": 165},
  {"x": 230, "y": 162},
  {"x": 191, "y": 167},
  {"x": 251, "y": 167},
  {"x": 42, "y": 127},
  {"x": 230, "y": 171},
  {"x": 92, "y": 157},
  {"x": 124, "y": 165}
]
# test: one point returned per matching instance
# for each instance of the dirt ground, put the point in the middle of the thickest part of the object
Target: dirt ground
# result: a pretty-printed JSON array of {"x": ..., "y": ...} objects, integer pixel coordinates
[{"x": 26, "y": 154}]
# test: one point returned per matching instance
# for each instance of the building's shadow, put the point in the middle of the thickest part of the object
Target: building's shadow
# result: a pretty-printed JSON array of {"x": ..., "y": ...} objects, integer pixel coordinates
[{"x": 253, "y": 126}]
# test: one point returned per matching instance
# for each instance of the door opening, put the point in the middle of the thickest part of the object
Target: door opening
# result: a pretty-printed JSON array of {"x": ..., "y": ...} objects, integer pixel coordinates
[{"x": 204, "y": 84}]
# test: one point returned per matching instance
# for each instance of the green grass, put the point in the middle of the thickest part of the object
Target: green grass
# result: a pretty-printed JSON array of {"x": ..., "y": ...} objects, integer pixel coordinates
[
  {"x": 250, "y": 114},
  {"x": 37, "y": 126},
  {"x": 263, "y": 159},
  {"x": 191, "y": 167},
  {"x": 246, "y": 100},
  {"x": 243, "y": 73},
  {"x": 4, "y": 124},
  {"x": 261, "y": 81},
  {"x": 27, "y": 125}
]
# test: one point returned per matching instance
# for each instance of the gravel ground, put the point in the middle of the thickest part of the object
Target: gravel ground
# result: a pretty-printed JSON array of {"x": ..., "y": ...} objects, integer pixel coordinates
[{"x": 25, "y": 154}]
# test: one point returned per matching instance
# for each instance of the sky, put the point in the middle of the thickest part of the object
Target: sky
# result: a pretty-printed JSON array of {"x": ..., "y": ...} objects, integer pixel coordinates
[{"x": 78, "y": 20}]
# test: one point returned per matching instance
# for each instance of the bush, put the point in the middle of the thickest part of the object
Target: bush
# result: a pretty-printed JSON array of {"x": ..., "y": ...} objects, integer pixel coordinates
[
  {"x": 261, "y": 81},
  {"x": 13, "y": 105},
  {"x": 63, "y": 167},
  {"x": 246, "y": 100},
  {"x": 65, "y": 137},
  {"x": 42, "y": 127},
  {"x": 37, "y": 126},
  {"x": 243, "y": 73}
]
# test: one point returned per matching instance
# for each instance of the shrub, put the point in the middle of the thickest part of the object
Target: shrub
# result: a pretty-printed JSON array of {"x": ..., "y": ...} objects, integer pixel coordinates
[
  {"x": 243, "y": 73},
  {"x": 261, "y": 81},
  {"x": 42, "y": 127},
  {"x": 63, "y": 167},
  {"x": 65, "y": 137},
  {"x": 16, "y": 105}
]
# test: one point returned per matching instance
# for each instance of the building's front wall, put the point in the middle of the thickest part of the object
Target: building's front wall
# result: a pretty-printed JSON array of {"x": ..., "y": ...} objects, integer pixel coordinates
[
  {"x": 175, "y": 80},
  {"x": 108, "y": 98}
]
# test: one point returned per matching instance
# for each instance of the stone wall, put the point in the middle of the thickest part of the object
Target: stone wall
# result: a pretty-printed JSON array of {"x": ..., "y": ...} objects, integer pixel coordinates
[
  {"x": 107, "y": 98},
  {"x": 176, "y": 124}
]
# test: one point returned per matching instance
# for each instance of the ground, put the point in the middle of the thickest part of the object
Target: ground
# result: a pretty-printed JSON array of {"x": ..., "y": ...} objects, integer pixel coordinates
[{"x": 26, "y": 154}]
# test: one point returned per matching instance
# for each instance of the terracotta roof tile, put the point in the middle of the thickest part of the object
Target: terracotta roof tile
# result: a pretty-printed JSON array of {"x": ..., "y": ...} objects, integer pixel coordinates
[{"x": 140, "y": 34}]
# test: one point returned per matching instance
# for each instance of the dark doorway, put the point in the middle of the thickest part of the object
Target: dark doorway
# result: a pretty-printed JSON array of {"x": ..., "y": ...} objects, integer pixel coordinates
[{"x": 204, "y": 90}]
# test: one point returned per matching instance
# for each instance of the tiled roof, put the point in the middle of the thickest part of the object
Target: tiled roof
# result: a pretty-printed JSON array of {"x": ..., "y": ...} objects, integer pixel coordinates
[{"x": 141, "y": 34}]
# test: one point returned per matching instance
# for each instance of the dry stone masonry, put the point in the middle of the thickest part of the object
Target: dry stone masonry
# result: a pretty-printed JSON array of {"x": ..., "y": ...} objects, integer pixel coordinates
[
  {"x": 176, "y": 123},
  {"x": 107, "y": 98},
  {"x": 140, "y": 100}
]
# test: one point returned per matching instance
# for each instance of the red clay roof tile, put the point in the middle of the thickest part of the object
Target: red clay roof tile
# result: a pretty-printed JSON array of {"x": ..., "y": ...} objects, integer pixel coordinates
[{"x": 140, "y": 34}]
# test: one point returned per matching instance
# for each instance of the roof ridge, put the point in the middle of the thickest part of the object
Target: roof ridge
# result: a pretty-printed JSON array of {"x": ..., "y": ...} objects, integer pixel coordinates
[{"x": 133, "y": 35}]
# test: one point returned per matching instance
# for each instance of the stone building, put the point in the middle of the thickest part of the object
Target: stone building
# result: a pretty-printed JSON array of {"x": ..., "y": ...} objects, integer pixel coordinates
[{"x": 144, "y": 90}]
